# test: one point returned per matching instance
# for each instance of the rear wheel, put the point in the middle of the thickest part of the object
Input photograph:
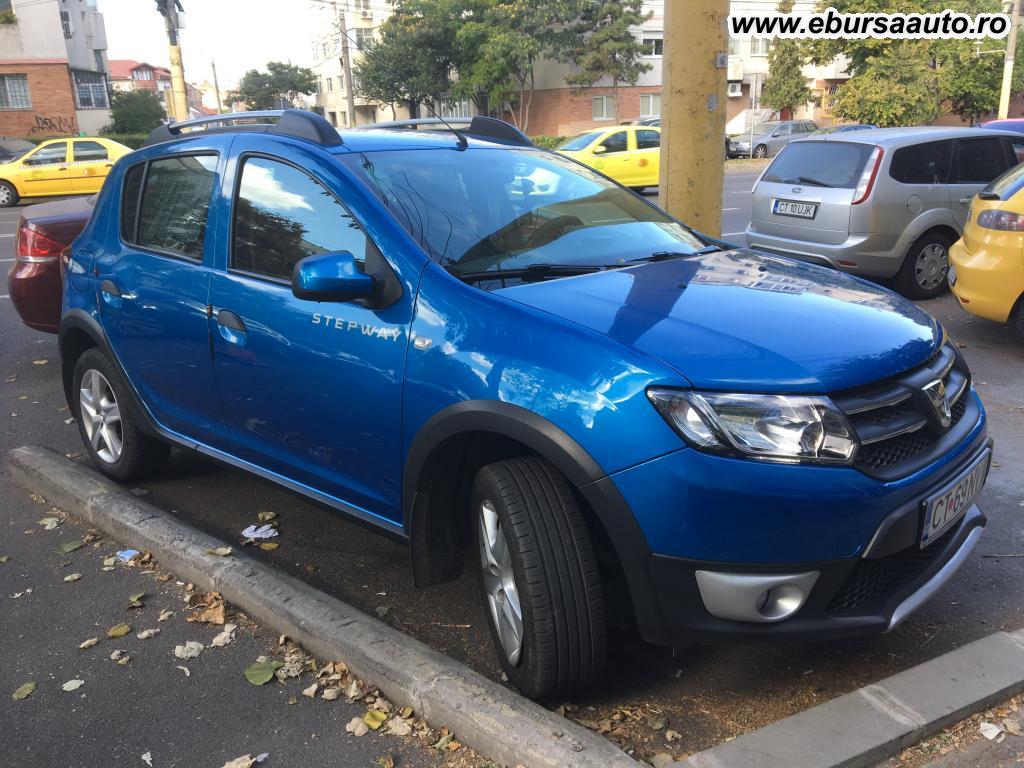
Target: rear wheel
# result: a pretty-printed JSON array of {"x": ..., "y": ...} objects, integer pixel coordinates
[
  {"x": 539, "y": 578},
  {"x": 924, "y": 270},
  {"x": 107, "y": 422},
  {"x": 8, "y": 195},
  {"x": 1017, "y": 321},
  {"x": 761, "y": 151}
]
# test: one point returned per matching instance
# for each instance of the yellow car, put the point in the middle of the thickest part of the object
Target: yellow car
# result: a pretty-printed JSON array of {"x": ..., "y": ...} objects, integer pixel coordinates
[
  {"x": 630, "y": 154},
  {"x": 986, "y": 270},
  {"x": 59, "y": 167}
]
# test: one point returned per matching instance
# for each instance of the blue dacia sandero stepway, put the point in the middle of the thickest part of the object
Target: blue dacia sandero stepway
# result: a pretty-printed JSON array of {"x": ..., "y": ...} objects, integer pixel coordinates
[{"x": 476, "y": 345}]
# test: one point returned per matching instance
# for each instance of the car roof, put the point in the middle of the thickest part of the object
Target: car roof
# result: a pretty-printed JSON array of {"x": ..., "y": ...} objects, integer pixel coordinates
[{"x": 905, "y": 136}]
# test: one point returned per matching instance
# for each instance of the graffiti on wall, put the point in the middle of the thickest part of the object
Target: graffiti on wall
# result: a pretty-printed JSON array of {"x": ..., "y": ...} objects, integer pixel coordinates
[{"x": 54, "y": 124}]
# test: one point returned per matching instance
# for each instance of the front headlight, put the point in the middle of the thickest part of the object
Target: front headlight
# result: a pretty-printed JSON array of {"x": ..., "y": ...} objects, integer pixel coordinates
[{"x": 792, "y": 428}]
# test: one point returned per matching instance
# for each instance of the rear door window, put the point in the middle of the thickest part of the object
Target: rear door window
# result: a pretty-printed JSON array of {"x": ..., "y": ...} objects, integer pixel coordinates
[
  {"x": 130, "y": 201},
  {"x": 175, "y": 204},
  {"x": 819, "y": 163},
  {"x": 88, "y": 152},
  {"x": 648, "y": 139},
  {"x": 926, "y": 163},
  {"x": 979, "y": 161}
]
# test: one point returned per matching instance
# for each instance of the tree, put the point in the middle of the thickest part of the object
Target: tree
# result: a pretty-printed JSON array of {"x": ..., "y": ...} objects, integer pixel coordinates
[
  {"x": 971, "y": 83},
  {"x": 894, "y": 88},
  {"x": 259, "y": 90},
  {"x": 135, "y": 112},
  {"x": 786, "y": 87},
  {"x": 606, "y": 46}
]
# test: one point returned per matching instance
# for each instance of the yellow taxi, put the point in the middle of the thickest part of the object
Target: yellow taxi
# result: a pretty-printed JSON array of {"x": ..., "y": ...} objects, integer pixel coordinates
[
  {"x": 630, "y": 154},
  {"x": 59, "y": 167},
  {"x": 986, "y": 269}
]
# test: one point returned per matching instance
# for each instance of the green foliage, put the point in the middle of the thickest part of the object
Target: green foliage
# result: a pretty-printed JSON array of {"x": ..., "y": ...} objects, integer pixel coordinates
[
  {"x": 786, "y": 87},
  {"x": 134, "y": 112},
  {"x": 894, "y": 88},
  {"x": 259, "y": 89},
  {"x": 133, "y": 140},
  {"x": 545, "y": 141},
  {"x": 971, "y": 83},
  {"x": 8, "y": 17},
  {"x": 606, "y": 46}
]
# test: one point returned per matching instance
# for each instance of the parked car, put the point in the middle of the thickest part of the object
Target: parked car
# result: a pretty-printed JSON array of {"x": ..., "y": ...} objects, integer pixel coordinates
[
  {"x": 768, "y": 138},
  {"x": 566, "y": 382},
  {"x": 1012, "y": 125},
  {"x": 651, "y": 121},
  {"x": 35, "y": 281},
  {"x": 844, "y": 128},
  {"x": 12, "y": 148},
  {"x": 59, "y": 167},
  {"x": 886, "y": 203},
  {"x": 986, "y": 271},
  {"x": 630, "y": 154}
]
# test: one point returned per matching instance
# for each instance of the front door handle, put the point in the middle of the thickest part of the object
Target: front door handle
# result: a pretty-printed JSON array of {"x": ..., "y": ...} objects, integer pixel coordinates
[{"x": 965, "y": 200}]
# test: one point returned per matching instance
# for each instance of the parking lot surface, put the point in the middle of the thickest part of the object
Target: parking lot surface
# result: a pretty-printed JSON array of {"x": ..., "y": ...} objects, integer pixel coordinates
[{"x": 652, "y": 699}]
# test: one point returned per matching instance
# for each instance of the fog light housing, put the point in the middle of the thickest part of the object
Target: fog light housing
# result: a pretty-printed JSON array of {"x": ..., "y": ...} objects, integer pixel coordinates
[{"x": 755, "y": 597}]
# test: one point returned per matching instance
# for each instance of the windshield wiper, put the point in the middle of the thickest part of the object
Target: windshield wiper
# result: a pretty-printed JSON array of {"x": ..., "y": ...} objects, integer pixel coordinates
[
  {"x": 530, "y": 273},
  {"x": 813, "y": 181},
  {"x": 664, "y": 255}
]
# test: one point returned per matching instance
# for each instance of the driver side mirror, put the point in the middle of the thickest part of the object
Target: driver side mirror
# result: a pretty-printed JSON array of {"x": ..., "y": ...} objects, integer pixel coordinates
[
  {"x": 599, "y": 149},
  {"x": 331, "y": 277}
]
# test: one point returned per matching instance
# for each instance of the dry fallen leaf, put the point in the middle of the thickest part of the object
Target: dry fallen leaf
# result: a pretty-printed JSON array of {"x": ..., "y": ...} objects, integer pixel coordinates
[
  {"x": 165, "y": 615},
  {"x": 147, "y": 633},
  {"x": 219, "y": 551},
  {"x": 385, "y": 761},
  {"x": 73, "y": 685},
  {"x": 210, "y": 608},
  {"x": 225, "y": 637},
  {"x": 120, "y": 656},
  {"x": 398, "y": 727},
  {"x": 245, "y": 761},
  {"x": 40, "y": 362},
  {"x": 357, "y": 727},
  {"x": 73, "y": 577},
  {"x": 330, "y": 694},
  {"x": 49, "y": 523},
  {"x": 89, "y": 643},
  {"x": 310, "y": 692},
  {"x": 1012, "y": 726},
  {"x": 189, "y": 650},
  {"x": 119, "y": 630},
  {"x": 268, "y": 546},
  {"x": 185, "y": 670},
  {"x": 23, "y": 691}
]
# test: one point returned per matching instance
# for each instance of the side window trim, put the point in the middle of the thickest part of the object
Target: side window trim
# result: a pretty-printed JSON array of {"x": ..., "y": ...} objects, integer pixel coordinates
[
  {"x": 138, "y": 209},
  {"x": 138, "y": 203}
]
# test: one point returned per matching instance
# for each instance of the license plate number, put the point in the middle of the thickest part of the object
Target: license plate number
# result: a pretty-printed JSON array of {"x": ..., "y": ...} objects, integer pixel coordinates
[
  {"x": 793, "y": 208},
  {"x": 947, "y": 506}
]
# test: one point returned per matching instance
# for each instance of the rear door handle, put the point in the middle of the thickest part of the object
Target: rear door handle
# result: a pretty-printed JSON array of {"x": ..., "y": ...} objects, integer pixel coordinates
[
  {"x": 110, "y": 288},
  {"x": 228, "y": 319}
]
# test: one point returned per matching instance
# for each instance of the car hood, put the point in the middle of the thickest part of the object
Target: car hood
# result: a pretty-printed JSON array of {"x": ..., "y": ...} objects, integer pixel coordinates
[{"x": 745, "y": 321}]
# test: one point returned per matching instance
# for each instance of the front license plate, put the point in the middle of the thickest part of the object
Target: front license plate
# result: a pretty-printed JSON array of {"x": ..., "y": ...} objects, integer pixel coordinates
[
  {"x": 793, "y": 208},
  {"x": 947, "y": 506},
  {"x": 951, "y": 275}
]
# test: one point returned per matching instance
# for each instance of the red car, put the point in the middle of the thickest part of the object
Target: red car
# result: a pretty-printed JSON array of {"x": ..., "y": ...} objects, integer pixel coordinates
[{"x": 35, "y": 282}]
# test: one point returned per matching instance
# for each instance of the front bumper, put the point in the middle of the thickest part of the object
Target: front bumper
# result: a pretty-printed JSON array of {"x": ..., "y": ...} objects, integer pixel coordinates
[{"x": 887, "y": 578}]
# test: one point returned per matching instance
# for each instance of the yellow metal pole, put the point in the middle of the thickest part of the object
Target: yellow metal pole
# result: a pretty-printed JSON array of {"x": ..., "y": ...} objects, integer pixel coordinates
[{"x": 693, "y": 112}]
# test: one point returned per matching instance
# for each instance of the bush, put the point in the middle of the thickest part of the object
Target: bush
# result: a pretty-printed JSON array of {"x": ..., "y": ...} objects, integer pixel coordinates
[
  {"x": 135, "y": 111},
  {"x": 133, "y": 140},
  {"x": 548, "y": 142}
]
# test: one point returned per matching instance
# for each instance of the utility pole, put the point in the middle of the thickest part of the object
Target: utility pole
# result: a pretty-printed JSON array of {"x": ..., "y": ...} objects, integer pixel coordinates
[
  {"x": 179, "y": 94},
  {"x": 1011, "y": 50},
  {"x": 346, "y": 64},
  {"x": 216, "y": 87},
  {"x": 693, "y": 112}
]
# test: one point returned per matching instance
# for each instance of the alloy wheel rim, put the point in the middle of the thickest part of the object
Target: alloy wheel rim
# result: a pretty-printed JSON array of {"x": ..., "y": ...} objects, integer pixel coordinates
[
  {"x": 760, "y": 152},
  {"x": 5, "y": 195},
  {"x": 101, "y": 416},
  {"x": 931, "y": 266},
  {"x": 500, "y": 583}
]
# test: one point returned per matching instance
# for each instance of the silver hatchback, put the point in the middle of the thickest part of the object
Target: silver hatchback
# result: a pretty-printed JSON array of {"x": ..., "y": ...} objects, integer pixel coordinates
[{"x": 887, "y": 202}]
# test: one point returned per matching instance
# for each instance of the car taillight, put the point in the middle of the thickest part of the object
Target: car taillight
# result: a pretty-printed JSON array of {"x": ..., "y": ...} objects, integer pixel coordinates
[
  {"x": 33, "y": 245},
  {"x": 1002, "y": 220},
  {"x": 867, "y": 177}
]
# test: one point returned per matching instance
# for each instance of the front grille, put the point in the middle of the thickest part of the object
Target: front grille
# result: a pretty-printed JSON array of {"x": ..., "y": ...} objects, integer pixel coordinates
[
  {"x": 895, "y": 421},
  {"x": 872, "y": 582}
]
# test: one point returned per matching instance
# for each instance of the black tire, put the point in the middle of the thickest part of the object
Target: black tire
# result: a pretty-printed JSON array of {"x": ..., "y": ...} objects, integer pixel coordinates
[
  {"x": 761, "y": 151},
  {"x": 1017, "y": 320},
  {"x": 563, "y": 641},
  {"x": 139, "y": 454},
  {"x": 8, "y": 195},
  {"x": 914, "y": 280}
]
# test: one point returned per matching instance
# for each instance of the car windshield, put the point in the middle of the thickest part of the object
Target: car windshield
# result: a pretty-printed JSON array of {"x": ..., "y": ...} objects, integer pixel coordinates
[
  {"x": 15, "y": 150},
  {"x": 486, "y": 210},
  {"x": 819, "y": 163},
  {"x": 578, "y": 142}
]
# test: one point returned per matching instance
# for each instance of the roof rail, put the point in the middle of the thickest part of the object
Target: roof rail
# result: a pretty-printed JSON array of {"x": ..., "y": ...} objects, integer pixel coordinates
[
  {"x": 288, "y": 122},
  {"x": 480, "y": 127}
]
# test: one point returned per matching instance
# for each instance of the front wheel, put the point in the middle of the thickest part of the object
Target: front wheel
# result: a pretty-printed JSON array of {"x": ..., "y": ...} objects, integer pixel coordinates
[
  {"x": 8, "y": 195},
  {"x": 761, "y": 151},
  {"x": 924, "y": 270},
  {"x": 539, "y": 578}
]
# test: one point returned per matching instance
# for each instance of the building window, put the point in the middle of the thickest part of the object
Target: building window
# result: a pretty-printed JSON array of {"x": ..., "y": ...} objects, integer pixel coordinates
[
  {"x": 323, "y": 48},
  {"x": 344, "y": 119},
  {"x": 98, "y": 56},
  {"x": 654, "y": 46},
  {"x": 364, "y": 38},
  {"x": 65, "y": 23},
  {"x": 759, "y": 46},
  {"x": 90, "y": 90},
  {"x": 142, "y": 74},
  {"x": 455, "y": 109},
  {"x": 330, "y": 84},
  {"x": 361, "y": 5},
  {"x": 650, "y": 105},
  {"x": 333, "y": 116},
  {"x": 14, "y": 92},
  {"x": 604, "y": 107}
]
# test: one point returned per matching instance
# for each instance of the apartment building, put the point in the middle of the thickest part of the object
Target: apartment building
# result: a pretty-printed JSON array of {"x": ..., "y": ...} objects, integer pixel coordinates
[
  {"x": 132, "y": 75},
  {"x": 53, "y": 68},
  {"x": 351, "y": 22}
]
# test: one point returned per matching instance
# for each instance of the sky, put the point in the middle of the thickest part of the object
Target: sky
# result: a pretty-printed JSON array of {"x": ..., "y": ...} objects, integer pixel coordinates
[{"x": 239, "y": 34}]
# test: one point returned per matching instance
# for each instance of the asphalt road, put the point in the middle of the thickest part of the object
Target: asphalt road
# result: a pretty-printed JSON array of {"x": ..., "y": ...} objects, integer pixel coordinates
[{"x": 705, "y": 694}]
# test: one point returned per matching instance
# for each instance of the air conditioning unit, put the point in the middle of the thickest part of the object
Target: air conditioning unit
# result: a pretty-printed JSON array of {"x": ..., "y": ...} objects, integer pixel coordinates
[
  {"x": 735, "y": 90},
  {"x": 366, "y": 14}
]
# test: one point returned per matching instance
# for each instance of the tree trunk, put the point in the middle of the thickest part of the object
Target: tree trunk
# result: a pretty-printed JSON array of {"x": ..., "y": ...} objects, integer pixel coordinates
[
  {"x": 526, "y": 120},
  {"x": 615, "y": 86}
]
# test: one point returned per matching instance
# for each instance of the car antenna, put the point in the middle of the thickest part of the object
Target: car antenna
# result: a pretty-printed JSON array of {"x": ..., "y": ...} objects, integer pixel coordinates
[{"x": 463, "y": 143}]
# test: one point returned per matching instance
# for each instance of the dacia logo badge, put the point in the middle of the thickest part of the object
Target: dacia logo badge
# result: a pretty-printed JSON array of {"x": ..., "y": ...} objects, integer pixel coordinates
[
  {"x": 936, "y": 392},
  {"x": 797, "y": 190}
]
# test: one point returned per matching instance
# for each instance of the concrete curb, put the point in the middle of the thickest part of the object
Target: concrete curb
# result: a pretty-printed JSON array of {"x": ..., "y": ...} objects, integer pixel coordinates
[
  {"x": 868, "y": 725},
  {"x": 489, "y": 718}
]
